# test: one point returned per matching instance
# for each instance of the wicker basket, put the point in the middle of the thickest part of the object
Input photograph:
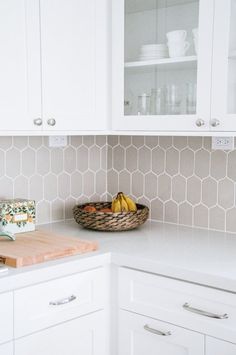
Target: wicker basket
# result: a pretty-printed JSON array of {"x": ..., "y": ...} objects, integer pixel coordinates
[{"x": 108, "y": 221}]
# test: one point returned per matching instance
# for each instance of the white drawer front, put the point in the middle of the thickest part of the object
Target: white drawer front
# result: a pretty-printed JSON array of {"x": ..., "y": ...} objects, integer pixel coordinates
[
  {"x": 49, "y": 303},
  {"x": 6, "y": 317},
  {"x": 164, "y": 299},
  {"x": 6, "y": 349}
]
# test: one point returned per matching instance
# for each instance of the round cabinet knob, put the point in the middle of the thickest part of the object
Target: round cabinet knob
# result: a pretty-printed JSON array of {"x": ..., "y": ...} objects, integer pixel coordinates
[
  {"x": 38, "y": 122},
  {"x": 200, "y": 123},
  {"x": 215, "y": 123},
  {"x": 51, "y": 122}
]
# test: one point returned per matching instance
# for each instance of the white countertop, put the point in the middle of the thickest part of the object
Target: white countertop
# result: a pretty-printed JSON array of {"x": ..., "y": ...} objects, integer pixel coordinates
[{"x": 199, "y": 256}]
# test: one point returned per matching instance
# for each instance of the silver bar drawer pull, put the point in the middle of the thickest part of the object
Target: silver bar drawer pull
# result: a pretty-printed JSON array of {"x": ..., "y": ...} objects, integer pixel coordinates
[
  {"x": 63, "y": 301},
  {"x": 155, "y": 331},
  {"x": 187, "y": 307}
]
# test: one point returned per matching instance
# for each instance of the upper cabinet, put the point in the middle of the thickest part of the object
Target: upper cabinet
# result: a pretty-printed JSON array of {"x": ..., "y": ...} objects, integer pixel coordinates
[
  {"x": 54, "y": 65},
  {"x": 162, "y": 61}
]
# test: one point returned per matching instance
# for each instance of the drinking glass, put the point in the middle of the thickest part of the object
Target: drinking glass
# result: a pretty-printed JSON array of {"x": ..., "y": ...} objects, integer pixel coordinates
[
  {"x": 157, "y": 102},
  {"x": 143, "y": 104},
  {"x": 173, "y": 99},
  {"x": 191, "y": 98}
]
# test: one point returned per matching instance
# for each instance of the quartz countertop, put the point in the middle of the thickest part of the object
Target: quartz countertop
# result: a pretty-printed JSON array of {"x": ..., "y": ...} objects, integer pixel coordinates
[{"x": 189, "y": 254}]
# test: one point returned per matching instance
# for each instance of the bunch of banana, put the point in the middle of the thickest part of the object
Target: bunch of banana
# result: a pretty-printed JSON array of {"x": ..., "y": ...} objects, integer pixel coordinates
[{"x": 123, "y": 203}]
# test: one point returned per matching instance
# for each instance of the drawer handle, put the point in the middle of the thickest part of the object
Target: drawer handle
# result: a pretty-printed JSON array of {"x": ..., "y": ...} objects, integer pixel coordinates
[
  {"x": 63, "y": 301},
  {"x": 187, "y": 307},
  {"x": 155, "y": 331}
]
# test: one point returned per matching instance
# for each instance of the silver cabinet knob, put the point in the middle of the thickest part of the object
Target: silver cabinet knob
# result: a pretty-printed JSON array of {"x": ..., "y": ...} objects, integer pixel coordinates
[
  {"x": 38, "y": 122},
  {"x": 51, "y": 122},
  {"x": 200, "y": 122},
  {"x": 215, "y": 123}
]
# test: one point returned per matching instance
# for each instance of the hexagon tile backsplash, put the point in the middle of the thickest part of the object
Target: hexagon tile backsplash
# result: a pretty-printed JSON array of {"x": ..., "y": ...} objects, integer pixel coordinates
[
  {"x": 180, "y": 178},
  {"x": 55, "y": 177}
]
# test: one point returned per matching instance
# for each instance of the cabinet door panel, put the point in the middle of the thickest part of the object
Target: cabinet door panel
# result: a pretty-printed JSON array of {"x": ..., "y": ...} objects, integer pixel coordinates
[
  {"x": 20, "y": 89},
  {"x": 218, "y": 347},
  {"x": 6, "y": 349},
  {"x": 85, "y": 336},
  {"x": 134, "y": 339},
  {"x": 74, "y": 63}
]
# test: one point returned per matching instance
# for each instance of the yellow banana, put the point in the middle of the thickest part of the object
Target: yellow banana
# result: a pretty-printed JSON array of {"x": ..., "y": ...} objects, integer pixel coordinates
[
  {"x": 131, "y": 204},
  {"x": 123, "y": 203},
  {"x": 116, "y": 207}
]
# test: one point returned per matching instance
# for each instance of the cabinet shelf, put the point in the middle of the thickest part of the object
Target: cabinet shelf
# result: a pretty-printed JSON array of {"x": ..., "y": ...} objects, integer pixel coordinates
[{"x": 166, "y": 63}]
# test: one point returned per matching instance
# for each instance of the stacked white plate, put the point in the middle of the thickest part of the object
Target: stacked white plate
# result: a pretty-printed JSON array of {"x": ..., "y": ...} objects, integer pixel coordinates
[{"x": 153, "y": 51}]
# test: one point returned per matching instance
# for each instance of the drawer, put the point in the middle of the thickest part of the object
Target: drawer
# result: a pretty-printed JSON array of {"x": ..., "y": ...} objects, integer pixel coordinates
[
  {"x": 6, "y": 317},
  {"x": 56, "y": 301},
  {"x": 195, "y": 307}
]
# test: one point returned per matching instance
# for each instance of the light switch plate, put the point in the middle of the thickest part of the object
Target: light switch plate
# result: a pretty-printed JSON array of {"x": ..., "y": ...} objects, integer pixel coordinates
[
  {"x": 223, "y": 143},
  {"x": 57, "y": 141}
]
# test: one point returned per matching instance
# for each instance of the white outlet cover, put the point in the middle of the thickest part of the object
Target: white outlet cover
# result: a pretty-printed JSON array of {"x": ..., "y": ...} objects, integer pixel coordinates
[
  {"x": 57, "y": 141},
  {"x": 222, "y": 143}
]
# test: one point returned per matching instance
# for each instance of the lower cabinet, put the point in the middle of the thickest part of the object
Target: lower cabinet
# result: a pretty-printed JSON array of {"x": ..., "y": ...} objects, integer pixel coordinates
[
  {"x": 219, "y": 347},
  {"x": 6, "y": 349},
  {"x": 139, "y": 335},
  {"x": 84, "y": 336}
]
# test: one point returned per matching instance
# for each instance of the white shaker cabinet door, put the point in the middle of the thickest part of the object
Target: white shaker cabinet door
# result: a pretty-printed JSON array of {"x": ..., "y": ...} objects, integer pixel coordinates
[
  {"x": 218, "y": 347},
  {"x": 140, "y": 335},
  {"x": 20, "y": 89},
  {"x": 82, "y": 336},
  {"x": 74, "y": 64},
  {"x": 6, "y": 349}
]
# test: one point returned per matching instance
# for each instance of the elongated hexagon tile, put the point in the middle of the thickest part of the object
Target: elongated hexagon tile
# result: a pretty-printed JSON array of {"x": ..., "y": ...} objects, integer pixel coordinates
[
  {"x": 186, "y": 214},
  {"x": 125, "y": 141},
  {"x": 230, "y": 220},
  {"x": 164, "y": 187},
  {"x": 109, "y": 158},
  {"x": 157, "y": 210},
  {"x": 88, "y": 183},
  {"x": 195, "y": 143},
  {"x": 187, "y": 162},
  {"x": 118, "y": 158},
  {"x": 165, "y": 142},
  {"x": 171, "y": 212},
  {"x": 35, "y": 142},
  {"x": 6, "y": 191},
  {"x": 43, "y": 212},
  {"x": 13, "y": 162},
  {"x": 151, "y": 186},
  {"x": 76, "y": 184},
  {"x": 36, "y": 187},
  {"x": 100, "y": 141},
  {"x": 28, "y": 162},
  {"x": 137, "y": 184},
  {"x": 103, "y": 157},
  {"x": 207, "y": 143},
  {"x": 158, "y": 160},
  {"x": 194, "y": 190},
  {"x": 20, "y": 142},
  {"x": 178, "y": 188},
  {"x": 82, "y": 158},
  {"x": 131, "y": 159},
  {"x": 218, "y": 164},
  {"x": 94, "y": 158},
  {"x": 88, "y": 141},
  {"x": 113, "y": 140},
  {"x": 151, "y": 142},
  {"x": 112, "y": 182},
  {"x": 209, "y": 192},
  {"x": 172, "y": 161},
  {"x": 180, "y": 142},
  {"x": 202, "y": 163},
  {"x": 232, "y": 165},
  {"x": 58, "y": 210},
  {"x": 101, "y": 182},
  {"x": 138, "y": 141},
  {"x": 226, "y": 193},
  {"x": 201, "y": 216},
  {"x": 21, "y": 187},
  {"x": 124, "y": 181},
  {"x": 64, "y": 186},
  {"x": 76, "y": 141},
  {"x": 50, "y": 187},
  {"x": 69, "y": 204},
  {"x": 57, "y": 161},
  {"x": 43, "y": 161},
  {"x": 2, "y": 163},
  {"x": 144, "y": 159},
  {"x": 5, "y": 143},
  {"x": 69, "y": 160},
  {"x": 217, "y": 218}
]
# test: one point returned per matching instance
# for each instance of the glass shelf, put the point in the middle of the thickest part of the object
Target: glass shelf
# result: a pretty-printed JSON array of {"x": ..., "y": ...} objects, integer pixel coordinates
[{"x": 171, "y": 63}]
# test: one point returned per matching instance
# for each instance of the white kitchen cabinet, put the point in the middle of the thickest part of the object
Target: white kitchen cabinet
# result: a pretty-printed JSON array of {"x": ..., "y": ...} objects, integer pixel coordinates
[
  {"x": 6, "y": 316},
  {"x": 86, "y": 336},
  {"x": 74, "y": 44},
  {"x": 20, "y": 92},
  {"x": 6, "y": 349},
  {"x": 165, "y": 94},
  {"x": 219, "y": 347},
  {"x": 140, "y": 335}
]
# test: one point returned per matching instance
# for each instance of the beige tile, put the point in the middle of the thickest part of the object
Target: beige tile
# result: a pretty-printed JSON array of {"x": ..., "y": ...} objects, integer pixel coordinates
[
  {"x": 118, "y": 158},
  {"x": 218, "y": 164},
  {"x": 69, "y": 160},
  {"x": 82, "y": 159},
  {"x": 76, "y": 184},
  {"x": 36, "y": 188},
  {"x": 13, "y": 162},
  {"x": 2, "y": 163},
  {"x": 232, "y": 165},
  {"x": 88, "y": 184},
  {"x": 151, "y": 142},
  {"x": 178, "y": 188},
  {"x": 158, "y": 160},
  {"x": 125, "y": 182},
  {"x": 131, "y": 159},
  {"x": 201, "y": 216},
  {"x": 217, "y": 218},
  {"x": 144, "y": 160},
  {"x": 57, "y": 160},
  {"x": 180, "y": 142},
  {"x": 151, "y": 186},
  {"x": 207, "y": 143},
  {"x": 231, "y": 220},
  {"x": 43, "y": 161},
  {"x": 76, "y": 141},
  {"x": 50, "y": 187},
  {"x": 64, "y": 186},
  {"x": 113, "y": 140},
  {"x": 88, "y": 141},
  {"x": 58, "y": 210},
  {"x": 125, "y": 141},
  {"x": 187, "y": 162},
  {"x": 101, "y": 180},
  {"x": 164, "y": 187},
  {"x": 109, "y": 158},
  {"x": 112, "y": 182},
  {"x": 157, "y": 210},
  {"x": 94, "y": 158},
  {"x": 35, "y": 142},
  {"x": 202, "y": 163},
  {"x": 5, "y": 143},
  {"x": 194, "y": 190},
  {"x": 21, "y": 187},
  {"x": 101, "y": 141},
  {"x": 165, "y": 142},
  {"x": 209, "y": 192},
  {"x": 104, "y": 162},
  {"x": 226, "y": 193},
  {"x": 144, "y": 201},
  {"x": 43, "y": 212},
  {"x": 171, "y": 212},
  {"x": 28, "y": 162},
  {"x": 137, "y": 184},
  {"x": 20, "y": 142},
  {"x": 186, "y": 214},
  {"x": 138, "y": 141},
  {"x": 195, "y": 143},
  {"x": 172, "y": 161},
  {"x": 6, "y": 191},
  {"x": 69, "y": 204}
]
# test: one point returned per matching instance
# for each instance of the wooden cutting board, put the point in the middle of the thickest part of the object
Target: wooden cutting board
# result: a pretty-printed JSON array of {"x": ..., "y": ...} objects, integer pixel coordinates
[{"x": 39, "y": 246}]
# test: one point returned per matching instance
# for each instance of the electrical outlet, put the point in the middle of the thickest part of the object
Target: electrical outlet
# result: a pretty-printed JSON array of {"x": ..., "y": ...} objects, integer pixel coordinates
[
  {"x": 57, "y": 141},
  {"x": 222, "y": 143}
]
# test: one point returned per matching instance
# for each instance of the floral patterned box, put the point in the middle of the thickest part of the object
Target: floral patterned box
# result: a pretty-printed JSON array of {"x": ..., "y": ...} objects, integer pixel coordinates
[{"x": 17, "y": 216}]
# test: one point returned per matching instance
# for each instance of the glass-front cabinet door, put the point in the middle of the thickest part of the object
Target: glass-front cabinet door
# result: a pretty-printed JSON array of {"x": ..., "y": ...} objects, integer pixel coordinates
[
  {"x": 224, "y": 67},
  {"x": 162, "y": 61}
]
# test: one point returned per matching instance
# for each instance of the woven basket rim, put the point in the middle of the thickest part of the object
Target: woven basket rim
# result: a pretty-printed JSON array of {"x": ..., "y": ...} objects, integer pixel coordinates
[{"x": 140, "y": 207}]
